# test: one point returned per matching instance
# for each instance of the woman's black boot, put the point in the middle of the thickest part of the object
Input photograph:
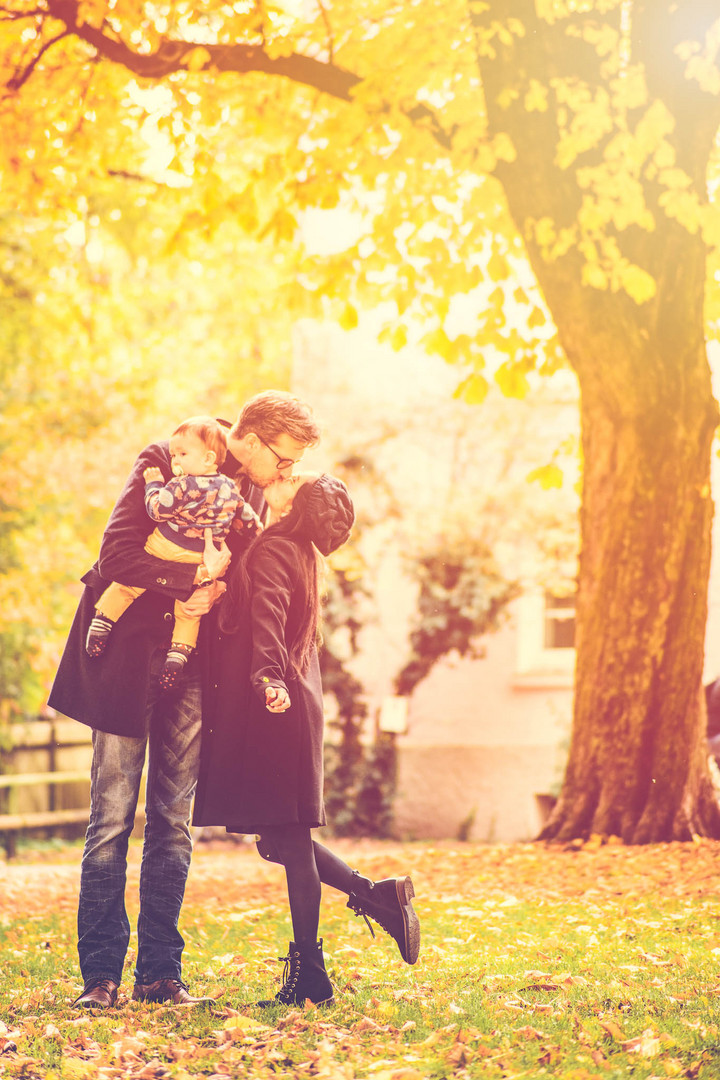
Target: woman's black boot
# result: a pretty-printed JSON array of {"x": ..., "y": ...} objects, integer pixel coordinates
[
  {"x": 304, "y": 977},
  {"x": 389, "y": 904}
]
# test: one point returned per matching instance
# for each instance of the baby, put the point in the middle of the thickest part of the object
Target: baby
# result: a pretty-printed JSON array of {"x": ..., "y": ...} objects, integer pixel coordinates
[{"x": 197, "y": 498}]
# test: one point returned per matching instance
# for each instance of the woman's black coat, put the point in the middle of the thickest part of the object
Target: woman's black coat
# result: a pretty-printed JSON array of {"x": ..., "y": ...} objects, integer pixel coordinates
[{"x": 257, "y": 767}]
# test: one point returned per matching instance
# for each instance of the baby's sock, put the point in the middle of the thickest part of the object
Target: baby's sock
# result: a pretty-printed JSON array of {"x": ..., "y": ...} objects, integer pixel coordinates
[
  {"x": 98, "y": 634},
  {"x": 175, "y": 661}
]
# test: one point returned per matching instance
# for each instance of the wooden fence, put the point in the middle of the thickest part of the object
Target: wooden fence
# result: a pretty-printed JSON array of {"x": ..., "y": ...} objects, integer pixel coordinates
[{"x": 45, "y": 778}]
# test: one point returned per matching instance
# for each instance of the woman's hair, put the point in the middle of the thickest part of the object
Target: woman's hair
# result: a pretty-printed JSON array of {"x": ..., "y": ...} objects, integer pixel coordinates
[
  {"x": 209, "y": 432},
  {"x": 319, "y": 521},
  {"x": 239, "y": 583},
  {"x": 272, "y": 413}
]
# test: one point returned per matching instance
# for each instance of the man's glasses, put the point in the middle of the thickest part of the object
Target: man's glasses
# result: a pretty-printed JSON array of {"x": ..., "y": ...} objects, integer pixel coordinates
[{"x": 282, "y": 462}]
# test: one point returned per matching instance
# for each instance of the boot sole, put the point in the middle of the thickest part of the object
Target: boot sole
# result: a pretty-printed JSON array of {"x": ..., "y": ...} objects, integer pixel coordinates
[
  {"x": 405, "y": 892},
  {"x": 271, "y": 1003}
]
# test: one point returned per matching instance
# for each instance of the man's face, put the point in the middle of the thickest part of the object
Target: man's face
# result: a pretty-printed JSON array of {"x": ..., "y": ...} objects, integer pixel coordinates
[{"x": 263, "y": 462}]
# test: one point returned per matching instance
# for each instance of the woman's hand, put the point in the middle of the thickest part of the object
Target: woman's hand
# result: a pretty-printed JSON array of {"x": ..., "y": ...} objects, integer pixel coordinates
[
  {"x": 277, "y": 699},
  {"x": 215, "y": 559}
]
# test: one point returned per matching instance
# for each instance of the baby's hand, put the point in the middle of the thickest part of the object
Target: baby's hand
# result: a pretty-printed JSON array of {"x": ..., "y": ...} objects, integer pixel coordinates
[
  {"x": 276, "y": 699},
  {"x": 152, "y": 473}
]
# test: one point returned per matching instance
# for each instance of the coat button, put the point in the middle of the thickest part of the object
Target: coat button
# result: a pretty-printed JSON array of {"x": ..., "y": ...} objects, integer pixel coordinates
[
  {"x": 161, "y": 581},
  {"x": 168, "y": 616}
]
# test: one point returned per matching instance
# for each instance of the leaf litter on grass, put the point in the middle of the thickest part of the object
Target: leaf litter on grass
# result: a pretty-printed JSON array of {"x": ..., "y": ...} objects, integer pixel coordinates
[{"x": 600, "y": 961}]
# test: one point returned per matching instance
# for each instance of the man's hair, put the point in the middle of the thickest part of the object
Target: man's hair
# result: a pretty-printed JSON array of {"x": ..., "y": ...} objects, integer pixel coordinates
[
  {"x": 272, "y": 413},
  {"x": 209, "y": 432}
]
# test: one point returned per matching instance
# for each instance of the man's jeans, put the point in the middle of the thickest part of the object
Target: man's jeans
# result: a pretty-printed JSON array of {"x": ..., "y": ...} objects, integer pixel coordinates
[{"x": 103, "y": 928}]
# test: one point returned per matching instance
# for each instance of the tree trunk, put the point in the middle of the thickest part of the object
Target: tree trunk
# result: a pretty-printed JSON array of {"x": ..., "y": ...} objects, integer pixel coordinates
[
  {"x": 638, "y": 760},
  {"x": 638, "y": 765}
]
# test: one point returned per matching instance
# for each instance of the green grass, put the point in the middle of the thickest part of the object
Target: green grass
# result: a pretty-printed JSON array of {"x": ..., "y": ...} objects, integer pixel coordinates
[{"x": 579, "y": 964}]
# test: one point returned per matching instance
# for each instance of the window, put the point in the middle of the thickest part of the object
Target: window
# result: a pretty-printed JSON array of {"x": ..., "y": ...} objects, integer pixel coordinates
[
  {"x": 559, "y": 621},
  {"x": 545, "y": 638}
]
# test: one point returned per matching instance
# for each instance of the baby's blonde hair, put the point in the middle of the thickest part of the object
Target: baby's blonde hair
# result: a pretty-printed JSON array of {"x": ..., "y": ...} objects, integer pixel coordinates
[{"x": 209, "y": 432}]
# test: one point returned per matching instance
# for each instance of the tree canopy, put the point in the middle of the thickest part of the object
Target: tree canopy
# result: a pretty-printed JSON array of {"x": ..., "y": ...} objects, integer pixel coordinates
[{"x": 556, "y": 161}]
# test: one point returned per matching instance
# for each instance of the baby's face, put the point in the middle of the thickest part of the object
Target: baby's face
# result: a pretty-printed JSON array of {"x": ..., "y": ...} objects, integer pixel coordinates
[{"x": 190, "y": 456}]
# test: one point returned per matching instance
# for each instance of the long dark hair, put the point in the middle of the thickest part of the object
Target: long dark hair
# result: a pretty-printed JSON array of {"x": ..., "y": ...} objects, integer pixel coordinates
[{"x": 236, "y": 601}]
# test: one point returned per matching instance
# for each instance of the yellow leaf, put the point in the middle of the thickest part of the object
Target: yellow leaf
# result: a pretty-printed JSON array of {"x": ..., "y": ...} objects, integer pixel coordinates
[
  {"x": 512, "y": 380},
  {"x": 614, "y": 1030},
  {"x": 548, "y": 476},
  {"x": 674, "y": 178},
  {"x": 497, "y": 267},
  {"x": 684, "y": 206},
  {"x": 506, "y": 97},
  {"x": 637, "y": 283},
  {"x": 594, "y": 276},
  {"x": 197, "y": 59},
  {"x": 536, "y": 97},
  {"x": 92, "y": 12},
  {"x": 438, "y": 342},
  {"x": 349, "y": 317},
  {"x": 545, "y": 231},
  {"x": 398, "y": 338},
  {"x": 473, "y": 390},
  {"x": 503, "y": 147},
  {"x": 243, "y": 1023},
  {"x": 711, "y": 225}
]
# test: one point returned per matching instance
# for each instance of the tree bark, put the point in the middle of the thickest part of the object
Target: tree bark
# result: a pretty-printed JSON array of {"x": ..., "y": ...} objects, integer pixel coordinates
[{"x": 637, "y": 767}]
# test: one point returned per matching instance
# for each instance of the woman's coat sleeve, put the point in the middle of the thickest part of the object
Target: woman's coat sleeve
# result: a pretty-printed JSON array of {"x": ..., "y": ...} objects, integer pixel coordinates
[{"x": 274, "y": 576}]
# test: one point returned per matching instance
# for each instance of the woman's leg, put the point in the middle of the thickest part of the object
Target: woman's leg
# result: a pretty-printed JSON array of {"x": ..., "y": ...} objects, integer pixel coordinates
[
  {"x": 387, "y": 902},
  {"x": 292, "y": 846},
  {"x": 305, "y": 976},
  {"x": 331, "y": 868}
]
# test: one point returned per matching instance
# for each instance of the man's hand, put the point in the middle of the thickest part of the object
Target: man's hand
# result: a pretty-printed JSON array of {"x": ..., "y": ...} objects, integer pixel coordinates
[
  {"x": 215, "y": 559},
  {"x": 153, "y": 473},
  {"x": 277, "y": 699},
  {"x": 201, "y": 600}
]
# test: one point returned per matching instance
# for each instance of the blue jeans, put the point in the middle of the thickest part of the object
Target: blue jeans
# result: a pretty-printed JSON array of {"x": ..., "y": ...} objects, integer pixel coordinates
[{"x": 173, "y": 737}]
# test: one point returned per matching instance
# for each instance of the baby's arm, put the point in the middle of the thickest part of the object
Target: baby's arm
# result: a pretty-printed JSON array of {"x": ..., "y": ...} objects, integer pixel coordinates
[
  {"x": 122, "y": 555},
  {"x": 165, "y": 501}
]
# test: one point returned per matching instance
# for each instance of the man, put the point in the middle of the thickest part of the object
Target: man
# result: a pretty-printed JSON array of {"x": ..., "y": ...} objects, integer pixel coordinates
[{"x": 119, "y": 696}]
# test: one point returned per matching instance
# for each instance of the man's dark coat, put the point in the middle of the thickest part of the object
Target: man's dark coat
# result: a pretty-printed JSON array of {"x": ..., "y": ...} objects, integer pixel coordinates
[{"x": 110, "y": 692}]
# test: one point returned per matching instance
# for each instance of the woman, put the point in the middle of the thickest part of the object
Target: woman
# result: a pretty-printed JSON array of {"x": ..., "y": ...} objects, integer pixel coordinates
[{"x": 261, "y": 768}]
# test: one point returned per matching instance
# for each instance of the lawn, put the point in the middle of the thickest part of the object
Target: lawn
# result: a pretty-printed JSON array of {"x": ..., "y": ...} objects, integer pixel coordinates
[{"x": 593, "y": 962}]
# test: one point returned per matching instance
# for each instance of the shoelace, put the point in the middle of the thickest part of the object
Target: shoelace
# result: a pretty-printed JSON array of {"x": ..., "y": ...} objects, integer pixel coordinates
[
  {"x": 290, "y": 978},
  {"x": 359, "y": 911}
]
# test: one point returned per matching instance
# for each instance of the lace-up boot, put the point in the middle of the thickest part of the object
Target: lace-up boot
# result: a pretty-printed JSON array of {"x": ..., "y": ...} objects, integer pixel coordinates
[
  {"x": 304, "y": 977},
  {"x": 389, "y": 904}
]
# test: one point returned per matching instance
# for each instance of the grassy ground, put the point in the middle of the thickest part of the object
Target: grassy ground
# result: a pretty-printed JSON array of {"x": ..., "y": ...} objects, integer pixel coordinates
[{"x": 595, "y": 962}]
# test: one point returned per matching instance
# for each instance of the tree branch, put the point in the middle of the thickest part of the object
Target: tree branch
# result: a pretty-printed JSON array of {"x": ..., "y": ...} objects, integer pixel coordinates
[
  {"x": 656, "y": 37},
  {"x": 173, "y": 56},
  {"x": 22, "y": 77}
]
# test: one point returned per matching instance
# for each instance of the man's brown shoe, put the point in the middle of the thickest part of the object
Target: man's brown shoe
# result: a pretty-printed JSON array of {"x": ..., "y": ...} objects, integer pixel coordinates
[
  {"x": 173, "y": 991},
  {"x": 97, "y": 994}
]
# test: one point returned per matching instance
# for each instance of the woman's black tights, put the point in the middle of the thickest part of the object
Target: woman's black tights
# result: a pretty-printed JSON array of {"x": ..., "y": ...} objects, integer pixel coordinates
[{"x": 307, "y": 865}]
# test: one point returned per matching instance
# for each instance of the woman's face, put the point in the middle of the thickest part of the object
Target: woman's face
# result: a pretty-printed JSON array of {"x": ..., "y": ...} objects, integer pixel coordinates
[{"x": 280, "y": 494}]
